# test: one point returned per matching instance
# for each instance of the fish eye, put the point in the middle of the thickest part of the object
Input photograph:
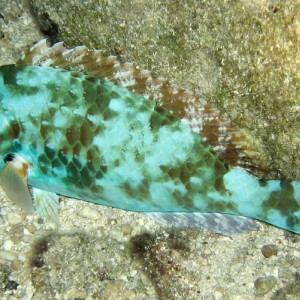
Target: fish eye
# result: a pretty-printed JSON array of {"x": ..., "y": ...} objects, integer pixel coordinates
[{"x": 9, "y": 157}]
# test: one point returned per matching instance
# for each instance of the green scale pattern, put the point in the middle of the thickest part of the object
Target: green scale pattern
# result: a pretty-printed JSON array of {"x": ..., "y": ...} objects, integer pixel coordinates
[{"x": 90, "y": 139}]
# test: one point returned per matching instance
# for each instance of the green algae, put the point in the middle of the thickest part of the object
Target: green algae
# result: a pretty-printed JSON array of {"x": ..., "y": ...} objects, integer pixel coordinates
[{"x": 241, "y": 56}]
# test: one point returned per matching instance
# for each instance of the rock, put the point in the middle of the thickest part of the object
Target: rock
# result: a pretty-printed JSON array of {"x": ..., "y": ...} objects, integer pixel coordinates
[
  {"x": 264, "y": 284},
  {"x": 269, "y": 250}
]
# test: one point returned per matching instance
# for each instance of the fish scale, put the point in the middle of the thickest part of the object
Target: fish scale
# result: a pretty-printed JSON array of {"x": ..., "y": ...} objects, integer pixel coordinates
[{"x": 88, "y": 137}]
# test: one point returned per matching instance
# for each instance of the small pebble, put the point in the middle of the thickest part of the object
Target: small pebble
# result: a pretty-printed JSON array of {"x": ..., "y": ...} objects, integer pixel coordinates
[
  {"x": 21, "y": 257},
  {"x": 241, "y": 297},
  {"x": 218, "y": 295},
  {"x": 8, "y": 245},
  {"x": 14, "y": 218},
  {"x": 39, "y": 296},
  {"x": 126, "y": 229},
  {"x": 73, "y": 293},
  {"x": 269, "y": 250},
  {"x": 67, "y": 240},
  {"x": 117, "y": 235},
  {"x": 8, "y": 255},
  {"x": 30, "y": 228},
  {"x": 90, "y": 213},
  {"x": 296, "y": 263},
  {"x": 264, "y": 284},
  {"x": 25, "y": 231}
]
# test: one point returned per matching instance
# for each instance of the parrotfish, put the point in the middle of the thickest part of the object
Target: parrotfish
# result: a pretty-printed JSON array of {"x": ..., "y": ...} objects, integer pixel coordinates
[{"x": 83, "y": 125}]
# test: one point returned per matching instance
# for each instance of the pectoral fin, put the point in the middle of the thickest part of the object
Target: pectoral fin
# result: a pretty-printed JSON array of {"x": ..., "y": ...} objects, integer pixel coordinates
[
  {"x": 13, "y": 180},
  {"x": 46, "y": 204}
]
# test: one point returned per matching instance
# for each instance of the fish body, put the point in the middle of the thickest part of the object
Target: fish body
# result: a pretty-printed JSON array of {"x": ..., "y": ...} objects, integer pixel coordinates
[{"x": 86, "y": 137}]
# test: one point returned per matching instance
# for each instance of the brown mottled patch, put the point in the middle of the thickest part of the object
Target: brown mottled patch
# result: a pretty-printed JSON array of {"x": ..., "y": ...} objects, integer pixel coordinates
[
  {"x": 140, "y": 82},
  {"x": 172, "y": 172},
  {"x": 231, "y": 206},
  {"x": 292, "y": 221},
  {"x": 23, "y": 170},
  {"x": 44, "y": 129},
  {"x": 130, "y": 192},
  {"x": 144, "y": 189},
  {"x": 90, "y": 154},
  {"x": 15, "y": 129},
  {"x": 65, "y": 149},
  {"x": 183, "y": 201},
  {"x": 222, "y": 206},
  {"x": 92, "y": 79},
  {"x": 76, "y": 149},
  {"x": 184, "y": 174},
  {"x": 72, "y": 135},
  {"x": 95, "y": 189},
  {"x": 85, "y": 134},
  {"x": 283, "y": 200},
  {"x": 220, "y": 170}
]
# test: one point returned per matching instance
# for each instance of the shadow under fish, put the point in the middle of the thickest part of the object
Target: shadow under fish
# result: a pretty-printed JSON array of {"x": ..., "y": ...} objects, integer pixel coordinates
[{"x": 83, "y": 125}]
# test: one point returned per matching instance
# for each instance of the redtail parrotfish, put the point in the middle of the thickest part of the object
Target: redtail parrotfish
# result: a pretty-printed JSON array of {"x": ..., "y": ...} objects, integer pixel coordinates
[{"x": 83, "y": 125}]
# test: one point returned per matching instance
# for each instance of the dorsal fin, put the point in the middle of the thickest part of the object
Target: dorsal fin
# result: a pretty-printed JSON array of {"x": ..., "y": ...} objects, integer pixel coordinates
[{"x": 232, "y": 144}]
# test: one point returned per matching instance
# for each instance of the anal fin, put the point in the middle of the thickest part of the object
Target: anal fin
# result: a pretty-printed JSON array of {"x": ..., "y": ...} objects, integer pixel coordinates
[
  {"x": 224, "y": 224},
  {"x": 13, "y": 180}
]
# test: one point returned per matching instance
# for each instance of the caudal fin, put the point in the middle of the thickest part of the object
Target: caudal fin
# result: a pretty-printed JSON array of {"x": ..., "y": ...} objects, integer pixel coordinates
[{"x": 273, "y": 201}]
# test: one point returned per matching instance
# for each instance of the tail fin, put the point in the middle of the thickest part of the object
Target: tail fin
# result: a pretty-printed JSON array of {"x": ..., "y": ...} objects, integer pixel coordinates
[{"x": 273, "y": 201}]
